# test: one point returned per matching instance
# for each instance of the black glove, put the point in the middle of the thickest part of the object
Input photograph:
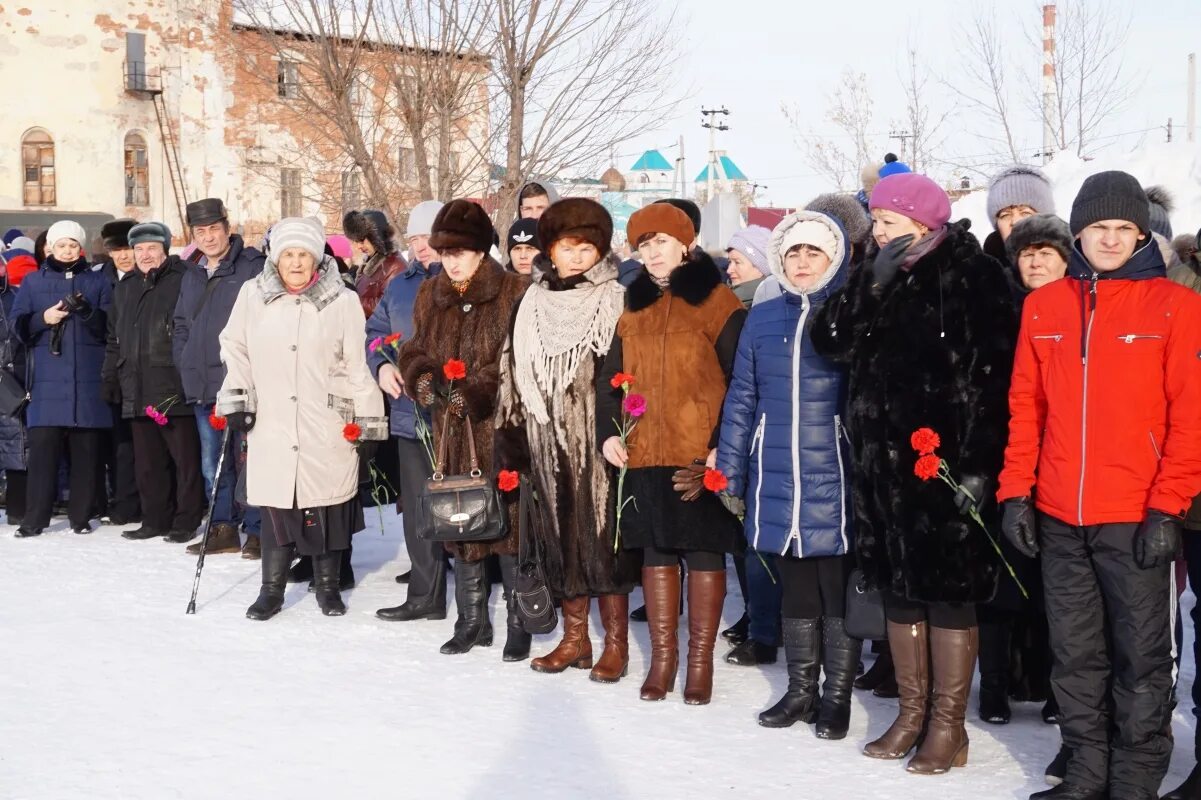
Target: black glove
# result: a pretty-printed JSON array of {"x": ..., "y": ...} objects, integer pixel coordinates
[
  {"x": 110, "y": 392},
  {"x": 240, "y": 421},
  {"x": 1019, "y": 527},
  {"x": 689, "y": 481},
  {"x": 1157, "y": 540},
  {"x": 734, "y": 505},
  {"x": 889, "y": 260},
  {"x": 971, "y": 494},
  {"x": 76, "y": 303}
]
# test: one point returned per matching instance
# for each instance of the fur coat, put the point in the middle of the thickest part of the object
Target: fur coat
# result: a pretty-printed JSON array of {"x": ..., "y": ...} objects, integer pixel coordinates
[
  {"x": 933, "y": 349},
  {"x": 471, "y": 328}
]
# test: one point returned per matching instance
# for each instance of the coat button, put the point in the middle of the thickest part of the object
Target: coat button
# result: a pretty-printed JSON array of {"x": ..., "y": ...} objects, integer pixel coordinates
[
  {"x": 293, "y": 348},
  {"x": 294, "y": 448},
  {"x": 297, "y": 301},
  {"x": 293, "y": 398}
]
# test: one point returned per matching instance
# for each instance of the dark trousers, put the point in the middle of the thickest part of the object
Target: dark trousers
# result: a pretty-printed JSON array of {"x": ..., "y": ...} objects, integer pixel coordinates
[
  {"x": 1111, "y": 640},
  {"x": 126, "y": 502},
  {"x": 952, "y": 616},
  {"x": 45, "y": 451},
  {"x": 814, "y": 587},
  {"x": 16, "y": 492},
  {"x": 427, "y": 582},
  {"x": 1192, "y": 555},
  {"x": 167, "y": 466}
]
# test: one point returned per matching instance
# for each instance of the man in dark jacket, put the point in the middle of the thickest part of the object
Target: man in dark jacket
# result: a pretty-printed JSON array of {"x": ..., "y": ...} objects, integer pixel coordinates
[
  {"x": 212, "y": 279},
  {"x": 1101, "y": 464},
  {"x": 139, "y": 375}
]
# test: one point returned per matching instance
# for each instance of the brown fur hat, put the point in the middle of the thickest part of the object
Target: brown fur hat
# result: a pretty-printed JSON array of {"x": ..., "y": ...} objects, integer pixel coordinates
[
  {"x": 579, "y": 217},
  {"x": 462, "y": 225}
]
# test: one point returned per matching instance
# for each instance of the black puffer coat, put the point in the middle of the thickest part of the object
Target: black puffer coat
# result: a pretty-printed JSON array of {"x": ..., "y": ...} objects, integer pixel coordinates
[{"x": 13, "y": 439}]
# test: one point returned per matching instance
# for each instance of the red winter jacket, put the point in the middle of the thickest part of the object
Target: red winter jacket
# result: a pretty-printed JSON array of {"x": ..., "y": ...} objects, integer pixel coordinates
[{"x": 1105, "y": 402}]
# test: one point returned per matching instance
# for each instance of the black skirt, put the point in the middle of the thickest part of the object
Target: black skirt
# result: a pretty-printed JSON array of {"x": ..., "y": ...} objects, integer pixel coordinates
[
  {"x": 658, "y": 518},
  {"x": 314, "y": 531}
]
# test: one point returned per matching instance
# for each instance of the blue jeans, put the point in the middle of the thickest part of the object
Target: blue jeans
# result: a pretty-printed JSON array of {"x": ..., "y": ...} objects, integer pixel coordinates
[
  {"x": 224, "y": 507},
  {"x": 763, "y": 597}
]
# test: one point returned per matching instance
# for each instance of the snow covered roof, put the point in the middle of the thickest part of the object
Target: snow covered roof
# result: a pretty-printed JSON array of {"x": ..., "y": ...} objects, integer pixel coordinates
[
  {"x": 652, "y": 161},
  {"x": 731, "y": 170}
]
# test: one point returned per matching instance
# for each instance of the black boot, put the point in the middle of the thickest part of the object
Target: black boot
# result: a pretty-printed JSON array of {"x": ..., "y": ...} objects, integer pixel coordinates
[
  {"x": 1057, "y": 770},
  {"x": 346, "y": 576},
  {"x": 738, "y": 633},
  {"x": 327, "y": 569},
  {"x": 840, "y": 658},
  {"x": 517, "y": 641},
  {"x": 752, "y": 653},
  {"x": 1189, "y": 790},
  {"x": 275, "y": 563},
  {"x": 802, "y": 650},
  {"x": 994, "y": 672},
  {"x": 471, "y": 596},
  {"x": 880, "y": 678},
  {"x": 303, "y": 571},
  {"x": 1066, "y": 791}
]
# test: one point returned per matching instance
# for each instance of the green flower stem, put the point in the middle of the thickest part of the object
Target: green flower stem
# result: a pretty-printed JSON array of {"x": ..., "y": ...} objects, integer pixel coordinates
[{"x": 944, "y": 472}]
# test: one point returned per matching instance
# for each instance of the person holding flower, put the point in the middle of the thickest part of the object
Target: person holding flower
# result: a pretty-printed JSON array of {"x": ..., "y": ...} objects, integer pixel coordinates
[
  {"x": 927, "y": 330},
  {"x": 557, "y": 344},
  {"x": 783, "y": 451},
  {"x": 141, "y": 378},
  {"x": 451, "y": 367},
  {"x": 677, "y": 337},
  {"x": 298, "y": 385}
]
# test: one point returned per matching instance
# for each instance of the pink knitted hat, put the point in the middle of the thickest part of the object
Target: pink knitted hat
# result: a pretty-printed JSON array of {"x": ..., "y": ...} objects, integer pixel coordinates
[{"x": 914, "y": 196}]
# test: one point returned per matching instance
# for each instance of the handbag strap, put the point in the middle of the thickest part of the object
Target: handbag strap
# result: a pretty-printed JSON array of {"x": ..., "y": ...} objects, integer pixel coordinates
[{"x": 440, "y": 467}]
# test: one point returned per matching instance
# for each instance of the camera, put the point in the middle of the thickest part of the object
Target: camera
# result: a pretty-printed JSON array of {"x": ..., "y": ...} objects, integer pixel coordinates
[{"x": 74, "y": 303}]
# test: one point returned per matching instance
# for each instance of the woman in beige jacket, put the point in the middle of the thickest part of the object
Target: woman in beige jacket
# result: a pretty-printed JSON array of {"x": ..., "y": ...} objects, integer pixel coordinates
[{"x": 297, "y": 381}]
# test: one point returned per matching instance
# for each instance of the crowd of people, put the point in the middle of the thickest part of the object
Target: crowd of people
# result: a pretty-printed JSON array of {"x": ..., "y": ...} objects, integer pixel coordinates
[{"x": 993, "y": 447}]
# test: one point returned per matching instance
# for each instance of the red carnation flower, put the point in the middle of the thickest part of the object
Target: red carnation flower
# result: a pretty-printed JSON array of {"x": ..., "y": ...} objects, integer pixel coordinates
[
  {"x": 927, "y": 466},
  {"x": 454, "y": 370},
  {"x": 392, "y": 338},
  {"x": 352, "y": 432},
  {"x": 217, "y": 423},
  {"x": 621, "y": 380},
  {"x": 507, "y": 480},
  {"x": 925, "y": 441},
  {"x": 715, "y": 480}
]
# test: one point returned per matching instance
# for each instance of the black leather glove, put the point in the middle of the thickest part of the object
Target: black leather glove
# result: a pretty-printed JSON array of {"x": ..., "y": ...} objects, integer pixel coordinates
[
  {"x": 886, "y": 265},
  {"x": 690, "y": 480},
  {"x": 110, "y": 392},
  {"x": 1019, "y": 526},
  {"x": 1157, "y": 540},
  {"x": 240, "y": 421},
  {"x": 76, "y": 303},
  {"x": 972, "y": 491},
  {"x": 734, "y": 505}
]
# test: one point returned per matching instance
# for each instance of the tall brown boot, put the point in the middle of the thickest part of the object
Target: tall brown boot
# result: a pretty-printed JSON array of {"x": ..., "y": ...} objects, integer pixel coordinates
[
  {"x": 910, "y": 647},
  {"x": 661, "y": 588},
  {"x": 615, "y": 660},
  {"x": 575, "y": 648},
  {"x": 706, "y": 594},
  {"x": 953, "y": 656}
]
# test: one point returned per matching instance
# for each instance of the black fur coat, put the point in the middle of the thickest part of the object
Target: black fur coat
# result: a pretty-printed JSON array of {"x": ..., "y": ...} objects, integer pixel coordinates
[{"x": 933, "y": 349}]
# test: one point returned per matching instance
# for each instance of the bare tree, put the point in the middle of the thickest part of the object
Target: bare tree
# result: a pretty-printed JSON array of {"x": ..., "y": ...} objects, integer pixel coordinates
[
  {"x": 924, "y": 125},
  {"x": 850, "y": 111},
  {"x": 981, "y": 83}
]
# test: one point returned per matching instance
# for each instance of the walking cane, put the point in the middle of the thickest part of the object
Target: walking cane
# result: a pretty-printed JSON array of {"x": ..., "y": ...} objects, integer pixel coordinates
[{"x": 208, "y": 522}]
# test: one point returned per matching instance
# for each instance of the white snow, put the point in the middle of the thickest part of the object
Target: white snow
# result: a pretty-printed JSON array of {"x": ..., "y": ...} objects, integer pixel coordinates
[
  {"x": 110, "y": 691},
  {"x": 1176, "y": 166}
]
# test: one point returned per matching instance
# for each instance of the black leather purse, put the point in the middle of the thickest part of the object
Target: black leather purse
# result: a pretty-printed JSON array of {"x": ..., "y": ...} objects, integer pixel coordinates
[
  {"x": 13, "y": 394},
  {"x": 532, "y": 599},
  {"x": 865, "y": 610},
  {"x": 460, "y": 508}
]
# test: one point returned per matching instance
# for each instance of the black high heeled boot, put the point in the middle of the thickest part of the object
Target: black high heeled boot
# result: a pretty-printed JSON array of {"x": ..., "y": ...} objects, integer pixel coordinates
[
  {"x": 840, "y": 659},
  {"x": 471, "y": 596},
  {"x": 275, "y": 563},
  {"x": 327, "y": 570},
  {"x": 802, "y": 651},
  {"x": 517, "y": 641}
]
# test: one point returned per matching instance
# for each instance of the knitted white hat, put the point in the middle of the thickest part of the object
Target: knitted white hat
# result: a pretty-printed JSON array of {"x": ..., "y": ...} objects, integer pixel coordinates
[
  {"x": 303, "y": 232},
  {"x": 65, "y": 229},
  {"x": 421, "y": 218}
]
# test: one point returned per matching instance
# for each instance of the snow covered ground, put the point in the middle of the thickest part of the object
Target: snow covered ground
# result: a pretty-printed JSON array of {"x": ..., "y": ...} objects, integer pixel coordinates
[{"x": 107, "y": 690}]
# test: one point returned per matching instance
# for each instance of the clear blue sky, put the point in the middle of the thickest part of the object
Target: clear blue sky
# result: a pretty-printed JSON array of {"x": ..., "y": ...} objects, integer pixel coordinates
[{"x": 754, "y": 55}]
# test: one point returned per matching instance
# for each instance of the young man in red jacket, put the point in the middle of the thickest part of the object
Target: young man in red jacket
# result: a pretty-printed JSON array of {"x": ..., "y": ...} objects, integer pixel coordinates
[{"x": 1105, "y": 449}]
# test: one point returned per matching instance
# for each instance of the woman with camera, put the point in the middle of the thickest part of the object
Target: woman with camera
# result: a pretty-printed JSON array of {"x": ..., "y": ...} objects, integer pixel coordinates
[{"x": 61, "y": 313}]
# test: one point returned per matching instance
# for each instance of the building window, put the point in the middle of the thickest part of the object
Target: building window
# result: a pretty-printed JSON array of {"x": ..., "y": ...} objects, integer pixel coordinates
[
  {"x": 289, "y": 192},
  {"x": 408, "y": 165},
  {"x": 351, "y": 190},
  {"x": 288, "y": 79},
  {"x": 135, "y": 60},
  {"x": 137, "y": 171},
  {"x": 37, "y": 160}
]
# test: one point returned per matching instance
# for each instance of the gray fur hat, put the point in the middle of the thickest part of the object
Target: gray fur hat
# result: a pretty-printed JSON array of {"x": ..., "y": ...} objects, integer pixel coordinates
[
  {"x": 848, "y": 211},
  {"x": 1044, "y": 229},
  {"x": 1162, "y": 205},
  {"x": 1019, "y": 185}
]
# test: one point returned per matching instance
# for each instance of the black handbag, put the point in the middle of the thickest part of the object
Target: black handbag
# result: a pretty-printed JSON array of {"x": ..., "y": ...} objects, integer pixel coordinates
[
  {"x": 865, "y": 610},
  {"x": 13, "y": 396},
  {"x": 460, "y": 508},
  {"x": 532, "y": 599}
]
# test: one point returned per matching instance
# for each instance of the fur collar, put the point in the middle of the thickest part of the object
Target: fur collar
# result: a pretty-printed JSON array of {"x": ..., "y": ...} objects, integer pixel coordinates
[
  {"x": 485, "y": 286},
  {"x": 693, "y": 282},
  {"x": 321, "y": 294}
]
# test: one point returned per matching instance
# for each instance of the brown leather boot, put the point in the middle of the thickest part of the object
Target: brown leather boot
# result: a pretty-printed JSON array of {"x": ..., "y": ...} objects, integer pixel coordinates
[
  {"x": 953, "y": 657},
  {"x": 575, "y": 648},
  {"x": 615, "y": 660},
  {"x": 661, "y": 588},
  {"x": 223, "y": 538},
  {"x": 910, "y": 647},
  {"x": 706, "y": 595}
]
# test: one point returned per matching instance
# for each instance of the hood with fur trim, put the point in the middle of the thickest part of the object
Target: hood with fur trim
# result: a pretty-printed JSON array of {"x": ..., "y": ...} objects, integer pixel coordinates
[
  {"x": 837, "y": 272},
  {"x": 848, "y": 211},
  {"x": 370, "y": 225}
]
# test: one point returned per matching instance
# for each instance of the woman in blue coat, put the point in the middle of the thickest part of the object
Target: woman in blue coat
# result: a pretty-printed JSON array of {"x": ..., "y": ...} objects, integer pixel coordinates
[
  {"x": 784, "y": 453},
  {"x": 61, "y": 313}
]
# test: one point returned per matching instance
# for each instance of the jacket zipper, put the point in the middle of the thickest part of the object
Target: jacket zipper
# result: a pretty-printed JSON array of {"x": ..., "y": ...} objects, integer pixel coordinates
[
  {"x": 1054, "y": 337},
  {"x": 1155, "y": 445},
  {"x": 842, "y": 484},
  {"x": 1130, "y": 338},
  {"x": 663, "y": 371},
  {"x": 795, "y": 533},
  {"x": 1088, "y": 335},
  {"x": 758, "y": 441}
]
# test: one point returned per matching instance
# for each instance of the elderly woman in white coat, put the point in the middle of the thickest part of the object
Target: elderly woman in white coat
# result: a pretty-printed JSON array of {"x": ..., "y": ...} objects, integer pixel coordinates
[{"x": 297, "y": 382}]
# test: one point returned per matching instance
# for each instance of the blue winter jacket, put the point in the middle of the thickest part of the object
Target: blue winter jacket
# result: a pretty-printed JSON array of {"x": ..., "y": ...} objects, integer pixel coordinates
[
  {"x": 65, "y": 389},
  {"x": 394, "y": 314},
  {"x": 12, "y": 357},
  {"x": 782, "y": 445},
  {"x": 201, "y": 313}
]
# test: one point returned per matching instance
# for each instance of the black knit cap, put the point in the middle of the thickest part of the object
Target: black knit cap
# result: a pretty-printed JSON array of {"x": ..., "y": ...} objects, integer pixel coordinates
[{"x": 1110, "y": 195}]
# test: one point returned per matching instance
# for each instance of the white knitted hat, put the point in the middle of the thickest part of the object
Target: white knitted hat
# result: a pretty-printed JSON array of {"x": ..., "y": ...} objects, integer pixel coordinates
[
  {"x": 66, "y": 229},
  {"x": 304, "y": 232}
]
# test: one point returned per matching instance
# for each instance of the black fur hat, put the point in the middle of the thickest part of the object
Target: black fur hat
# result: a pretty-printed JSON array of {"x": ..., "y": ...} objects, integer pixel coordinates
[
  {"x": 462, "y": 225},
  {"x": 370, "y": 225},
  {"x": 1045, "y": 229},
  {"x": 115, "y": 234},
  {"x": 579, "y": 217}
]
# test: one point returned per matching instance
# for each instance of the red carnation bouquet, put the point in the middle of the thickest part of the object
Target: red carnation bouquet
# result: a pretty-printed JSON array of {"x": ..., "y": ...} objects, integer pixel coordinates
[
  {"x": 633, "y": 406},
  {"x": 930, "y": 465}
]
